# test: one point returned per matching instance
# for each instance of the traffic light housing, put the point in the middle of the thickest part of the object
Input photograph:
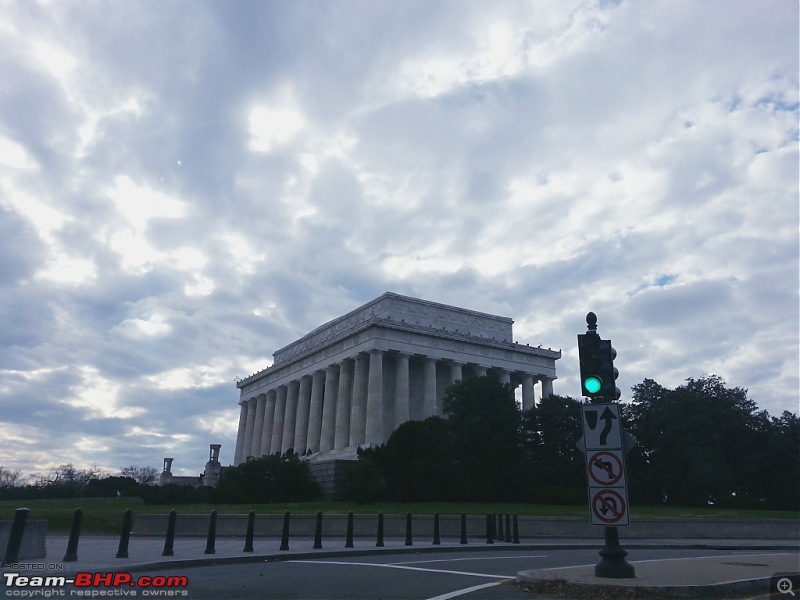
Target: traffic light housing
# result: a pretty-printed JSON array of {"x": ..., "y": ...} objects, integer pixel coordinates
[{"x": 598, "y": 375}]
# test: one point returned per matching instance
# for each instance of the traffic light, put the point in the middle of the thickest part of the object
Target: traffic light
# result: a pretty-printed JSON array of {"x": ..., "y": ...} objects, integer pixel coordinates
[
  {"x": 598, "y": 375},
  {"x": 609, "y": 373}
]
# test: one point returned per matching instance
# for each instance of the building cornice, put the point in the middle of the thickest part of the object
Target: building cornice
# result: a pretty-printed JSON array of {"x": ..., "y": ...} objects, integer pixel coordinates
[{"x": 305, "y": 347}]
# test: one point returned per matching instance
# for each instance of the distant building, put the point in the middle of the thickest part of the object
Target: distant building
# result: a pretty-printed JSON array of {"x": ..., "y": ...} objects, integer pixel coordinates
[
  {"x": 210, "y": 477},
  {"x": 351, "y": 382}
]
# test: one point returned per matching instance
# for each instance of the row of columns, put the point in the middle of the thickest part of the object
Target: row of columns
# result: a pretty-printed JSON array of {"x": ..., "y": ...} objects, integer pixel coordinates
[{"x": 342, "y": 406}]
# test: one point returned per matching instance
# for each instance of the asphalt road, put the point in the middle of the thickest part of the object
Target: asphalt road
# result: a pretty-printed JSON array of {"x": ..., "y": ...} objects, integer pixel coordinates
[{"x": 440, "y": 576}]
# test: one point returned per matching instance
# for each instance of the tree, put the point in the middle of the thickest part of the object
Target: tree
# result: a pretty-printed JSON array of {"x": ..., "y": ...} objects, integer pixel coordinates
[
  {"x": 416, "y": 462},
  {"x": 111, "y": 487},
  {"x": 779, "y": 466},
  {"x": 363, "y": 481},
  {"x": 483, "y": 422},
  {"x": 267, "y": 479},
  {"x": 142, "y": 475},
  {"x": 556, "y": 468},
  {"x": 704, "y": 443},
  {"x": 66, "y": 481},
  {"x": 9, "y": 478}
]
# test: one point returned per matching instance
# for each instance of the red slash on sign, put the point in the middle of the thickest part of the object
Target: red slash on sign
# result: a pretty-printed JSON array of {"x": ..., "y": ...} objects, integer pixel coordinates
[{"x": 609, "y": 506}]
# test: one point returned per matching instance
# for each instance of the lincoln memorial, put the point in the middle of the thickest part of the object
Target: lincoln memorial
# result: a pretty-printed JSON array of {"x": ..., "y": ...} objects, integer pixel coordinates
[{"x": 352, "y": 381}]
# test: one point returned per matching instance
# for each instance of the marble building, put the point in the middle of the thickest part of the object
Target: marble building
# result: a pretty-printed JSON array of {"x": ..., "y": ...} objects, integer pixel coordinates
[{"x": 352, "y": 381}]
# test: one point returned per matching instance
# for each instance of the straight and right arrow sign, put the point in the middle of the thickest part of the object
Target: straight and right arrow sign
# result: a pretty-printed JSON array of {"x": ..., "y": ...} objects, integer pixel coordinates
[{"x": 601, "y": 428}]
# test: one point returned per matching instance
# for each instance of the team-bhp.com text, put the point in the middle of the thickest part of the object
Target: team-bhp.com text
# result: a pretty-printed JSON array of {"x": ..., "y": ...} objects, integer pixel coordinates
[{"x": 95, "y": 585}]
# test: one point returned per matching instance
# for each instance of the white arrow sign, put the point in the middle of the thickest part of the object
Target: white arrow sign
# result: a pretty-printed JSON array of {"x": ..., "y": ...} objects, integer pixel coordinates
[{"x": 601, "y": 430}]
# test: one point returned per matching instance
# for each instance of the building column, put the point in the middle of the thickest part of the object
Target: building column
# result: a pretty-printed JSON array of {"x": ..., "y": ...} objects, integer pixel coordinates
[
  {"x": 237, "y": 455},
  {"x": 327, "y": 437},
  {"x": 277, "y": 420},
  {"x": 269, "y": 416},
  {"x": 456, "y": 371},
  {"x": 341, "y": 438},
  {"x": 358, "y": 404},
  {"x": 315, "y": 411},
  {"x": 547, "y": 387},
  {"x": 258, "y": 428},
  {"x": 374, "y": 430},
  {"x": 402, "y": 410},
  {"x": 504, "y": 376},
  {"x": 290, "y": 417},
  {"x": 429, "y": 399},
  {"x": 303, "y": 406},
  {"x": 528, "y": 401},
  {"x": 248, "y": 434},
  {"x": 480, "y": 371}
]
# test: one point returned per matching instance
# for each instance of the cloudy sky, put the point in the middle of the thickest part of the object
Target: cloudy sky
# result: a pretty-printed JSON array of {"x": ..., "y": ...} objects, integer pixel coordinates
[{"x": 186, "y": 186}]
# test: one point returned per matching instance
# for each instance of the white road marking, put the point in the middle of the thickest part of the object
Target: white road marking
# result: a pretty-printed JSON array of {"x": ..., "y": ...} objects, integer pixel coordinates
[
  {"x": 469, "y": 590},
  {"x": 396, "y": 566},
  {"x": 415, "y": 562}
]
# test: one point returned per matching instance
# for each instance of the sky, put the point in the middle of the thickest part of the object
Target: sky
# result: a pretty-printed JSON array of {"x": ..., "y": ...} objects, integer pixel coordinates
[{"x": 187, "y": 186}]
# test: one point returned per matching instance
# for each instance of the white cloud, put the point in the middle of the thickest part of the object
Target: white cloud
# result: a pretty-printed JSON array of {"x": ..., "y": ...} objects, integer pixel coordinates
[
  {"x": 14, "y": 156},
  {"x": 184, "y": 193},
  {"x": 139, "y": 204},
  {"x": 275, "y": 123}
]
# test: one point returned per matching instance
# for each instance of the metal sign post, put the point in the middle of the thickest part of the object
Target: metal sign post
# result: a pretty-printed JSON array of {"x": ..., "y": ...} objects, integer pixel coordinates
[{"x": 604, "y": 445}]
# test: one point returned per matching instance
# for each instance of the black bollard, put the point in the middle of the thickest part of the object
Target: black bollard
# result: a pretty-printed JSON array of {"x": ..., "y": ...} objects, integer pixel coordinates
[
  {"x": 318, "y": 532},
  {"x": 508, "y": 528},
  {"x": 169, "y": 541},
  {"x": 463, "y": 528},
  {"x": 15, "y": 536},
  {"x": 436, "y": 540},
  {"x": 494, "y": 526},
  {"x": 348, "y": 542},
  {"x": 499, "y": 528},
  {"x": 285, "y": 533},
  {"x": 251, "y": 529},
  {"x": 71, "y": 555},
  {"x": 379, "y": 543},
  {"x": 515, "y": 539},
  {"x": 408, "y": 530},
  {"x": 125, "y": 536},
  {"x": 212, "y": 534},
  {"x": 489, "y": 524}
]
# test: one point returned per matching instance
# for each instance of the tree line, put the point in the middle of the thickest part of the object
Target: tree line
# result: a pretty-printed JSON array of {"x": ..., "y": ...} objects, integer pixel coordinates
[
  {"x": 67, "y": 481},
  {"x": 699, "y": 444}
]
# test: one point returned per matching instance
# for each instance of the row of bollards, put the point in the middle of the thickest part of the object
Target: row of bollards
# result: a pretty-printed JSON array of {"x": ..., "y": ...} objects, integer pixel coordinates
[
  {"x": 496, "y": 530},
  {"x": 498, "y": 527}
]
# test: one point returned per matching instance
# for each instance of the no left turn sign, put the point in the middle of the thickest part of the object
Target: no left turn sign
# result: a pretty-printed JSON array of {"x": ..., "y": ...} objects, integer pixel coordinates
[{"x": 606, "y": 468}]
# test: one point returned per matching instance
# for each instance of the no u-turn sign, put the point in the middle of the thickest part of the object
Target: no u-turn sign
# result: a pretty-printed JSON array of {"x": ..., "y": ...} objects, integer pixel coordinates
[{"x": 609, "y": 506}]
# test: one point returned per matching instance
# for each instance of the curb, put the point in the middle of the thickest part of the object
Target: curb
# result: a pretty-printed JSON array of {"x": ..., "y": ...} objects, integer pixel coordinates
[{"x": 744, "y": 586}]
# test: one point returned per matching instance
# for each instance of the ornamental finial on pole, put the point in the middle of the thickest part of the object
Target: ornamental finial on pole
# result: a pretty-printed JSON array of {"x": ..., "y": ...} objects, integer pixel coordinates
[{"x": 591, "y": 323}]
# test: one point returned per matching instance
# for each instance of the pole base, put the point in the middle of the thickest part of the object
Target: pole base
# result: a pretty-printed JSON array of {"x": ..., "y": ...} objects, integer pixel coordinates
[{"x": 613, "y": 564}]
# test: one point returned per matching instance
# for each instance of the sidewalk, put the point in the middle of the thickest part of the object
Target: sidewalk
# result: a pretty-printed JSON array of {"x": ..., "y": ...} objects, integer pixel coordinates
[{"x": 683, "y": 577}]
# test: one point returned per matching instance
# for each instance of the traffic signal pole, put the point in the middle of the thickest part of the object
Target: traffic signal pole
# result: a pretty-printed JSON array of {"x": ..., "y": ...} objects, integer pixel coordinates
[{"x": 608, "y": 502}]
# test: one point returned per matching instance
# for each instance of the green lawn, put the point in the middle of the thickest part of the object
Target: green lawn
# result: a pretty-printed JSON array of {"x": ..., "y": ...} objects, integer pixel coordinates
[{"x": 104, "y": 516}]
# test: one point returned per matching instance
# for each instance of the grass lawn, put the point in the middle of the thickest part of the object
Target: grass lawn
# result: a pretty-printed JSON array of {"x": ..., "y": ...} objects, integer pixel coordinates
[{"x": 104, "y": 516}]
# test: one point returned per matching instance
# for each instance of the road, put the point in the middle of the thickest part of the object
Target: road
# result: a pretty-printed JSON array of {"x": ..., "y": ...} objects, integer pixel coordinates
[{"x": 440, "y": 576}]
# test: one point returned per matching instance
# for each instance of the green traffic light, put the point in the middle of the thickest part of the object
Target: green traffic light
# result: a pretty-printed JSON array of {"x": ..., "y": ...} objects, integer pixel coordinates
[{"x": 592, "y": 384}]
